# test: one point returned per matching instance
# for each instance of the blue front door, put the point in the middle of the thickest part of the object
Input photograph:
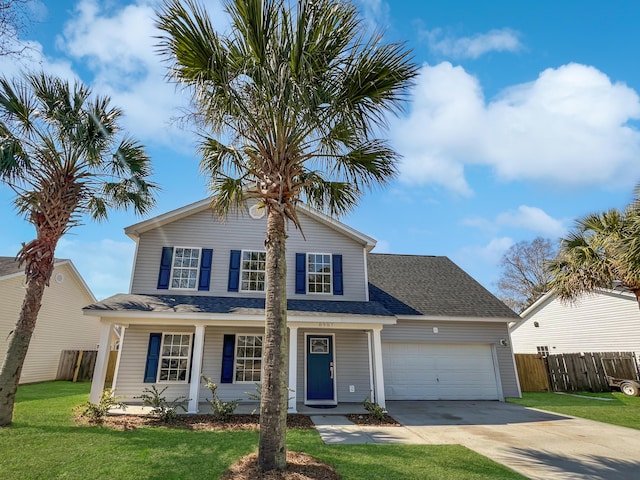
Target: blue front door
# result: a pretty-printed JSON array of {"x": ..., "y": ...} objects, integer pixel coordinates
[{"x": 320, "y": 370}]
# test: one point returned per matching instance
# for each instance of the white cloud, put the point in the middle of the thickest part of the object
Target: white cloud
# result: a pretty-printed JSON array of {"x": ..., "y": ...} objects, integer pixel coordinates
[
  {"x": 497, "y": 40},
  {"x": 105, "y": 265},
  {"x": 534, "y": 219},
  {"x": 524, "y": 217},
  {"x": 382, "y": 246},
  {"x": 570, "y": 126},
  {"x": 473, "y": 257},
  {"x": 374, "y": 12}
]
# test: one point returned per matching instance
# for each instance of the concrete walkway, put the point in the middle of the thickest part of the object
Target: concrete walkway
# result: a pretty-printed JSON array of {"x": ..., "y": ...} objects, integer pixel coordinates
[{"x": 537, "y": 444}]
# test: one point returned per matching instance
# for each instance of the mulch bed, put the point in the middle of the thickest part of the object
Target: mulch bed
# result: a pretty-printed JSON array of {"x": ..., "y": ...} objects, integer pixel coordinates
[
  {"x": 368, "y": 420},
  {"x": 197, "y": 422},
  {"x": 300, "y": 466}
]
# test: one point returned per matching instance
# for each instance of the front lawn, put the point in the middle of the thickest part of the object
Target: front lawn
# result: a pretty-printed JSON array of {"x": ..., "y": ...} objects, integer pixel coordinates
[
  {"x": 618, "y": 410},
  {"x": 44, "y": 442}
]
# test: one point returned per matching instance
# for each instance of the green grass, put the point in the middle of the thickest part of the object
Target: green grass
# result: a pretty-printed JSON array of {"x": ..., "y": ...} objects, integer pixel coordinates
[
  {"x": 620, "y": 410},
  {"x": 44, "y": 442}
]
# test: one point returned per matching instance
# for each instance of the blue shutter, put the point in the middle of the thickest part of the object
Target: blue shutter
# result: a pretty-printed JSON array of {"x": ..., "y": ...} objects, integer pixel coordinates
[
  {"x": 234, "y": 271},
  {"x": 228, "y": 347},
  {"x": 337, "y": 275},
  {"x": 153, "y": 357},
  {"x": 165, "y": 268},
  {"x": 205, "y": 269},
  {"x": 301, "y": 273}
]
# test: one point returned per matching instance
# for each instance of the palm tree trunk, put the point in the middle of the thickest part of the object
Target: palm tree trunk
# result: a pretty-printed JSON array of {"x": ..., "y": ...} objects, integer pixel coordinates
[
  {"x": 19, "y": 343},
  {"x": 272, "y": 454}
]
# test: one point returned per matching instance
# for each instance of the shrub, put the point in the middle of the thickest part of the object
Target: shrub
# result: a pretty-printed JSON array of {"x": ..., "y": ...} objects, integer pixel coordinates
[
  {"x": 375, "y": 410},
  {"x": 160, "y": 406},
  {"x": 96, "y": 413},
  {"x": 220, "y": 410}
]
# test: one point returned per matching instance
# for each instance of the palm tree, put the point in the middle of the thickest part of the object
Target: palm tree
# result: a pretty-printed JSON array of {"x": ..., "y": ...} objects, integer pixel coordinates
[
  {"x": 289, "y": 102},
  {"x": 65, "y": 155},
  {"x": 600, "y": 252}
]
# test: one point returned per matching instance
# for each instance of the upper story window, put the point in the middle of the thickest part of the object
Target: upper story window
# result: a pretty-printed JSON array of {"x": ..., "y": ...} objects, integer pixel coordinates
[
  {"x": 253, "y": 271},
  {"x": 185, "y": 268},
  {"x": 174, "y": 357},
  {"x": 184, "y": 271},
  {"x": 319, "y": 273}
]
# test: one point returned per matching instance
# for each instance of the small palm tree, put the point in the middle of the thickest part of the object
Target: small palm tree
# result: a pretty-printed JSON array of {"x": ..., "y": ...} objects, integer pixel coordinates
[
  {"x": 290, "y": 101},
  {"x": 600, "y": 252},
  {"x": 65, "y": 155}
]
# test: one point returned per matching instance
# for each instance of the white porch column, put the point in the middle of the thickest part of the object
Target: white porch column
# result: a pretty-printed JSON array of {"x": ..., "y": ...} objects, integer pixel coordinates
[
  {"x": 293, "y": 369},
  {"x": 123, "y": 330},
  {"x": 100, "y": 370},
  {"x": 196, "y": 369},
  {"x": 377, "y": 368}
]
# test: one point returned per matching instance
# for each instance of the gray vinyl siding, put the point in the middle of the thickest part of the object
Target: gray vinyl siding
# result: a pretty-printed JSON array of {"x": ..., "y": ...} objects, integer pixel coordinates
[
  {"x": 458, "y": 333},
  {"x": 351, "y": 357},
  {"x": 601, "y": 322},
  {"x": 241, "y": 232},
  {"x": 133, "y": 358}
]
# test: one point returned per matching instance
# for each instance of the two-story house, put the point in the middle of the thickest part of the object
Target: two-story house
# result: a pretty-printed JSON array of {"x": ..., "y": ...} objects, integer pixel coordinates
[{"x": 390, "y": 327}]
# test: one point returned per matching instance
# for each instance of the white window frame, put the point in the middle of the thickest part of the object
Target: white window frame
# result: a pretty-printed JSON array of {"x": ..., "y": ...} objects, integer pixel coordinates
[
  {"x": 543, "y": 350},
  {"x": 173, "y": 259},
  {"x": 308, "y": 273},
  {"x": 245, "y": 358},
  {"x": 242, "y": 270},
  {"x": 179, "y": 357}
]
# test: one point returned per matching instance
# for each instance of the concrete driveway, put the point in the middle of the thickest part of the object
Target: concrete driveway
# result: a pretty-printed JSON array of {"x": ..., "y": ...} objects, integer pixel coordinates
[{"x": 537, "y": 444}]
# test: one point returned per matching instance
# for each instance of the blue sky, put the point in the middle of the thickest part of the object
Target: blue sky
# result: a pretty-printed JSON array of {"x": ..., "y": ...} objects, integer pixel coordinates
[{"x": 524, "y": 118}]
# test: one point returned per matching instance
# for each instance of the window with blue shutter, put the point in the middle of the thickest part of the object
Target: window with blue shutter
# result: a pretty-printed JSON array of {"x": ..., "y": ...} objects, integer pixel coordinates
[
  {"x": 153, "y": 356},
  {"x": 234, "y": 271},
  {"x": 337, "y": 275},
  {"x": 205, "y": 269},
  {"x": 301, "y": 273},
  {"x": 228, "y": 347},
  {"x": 164, "y": 276}
]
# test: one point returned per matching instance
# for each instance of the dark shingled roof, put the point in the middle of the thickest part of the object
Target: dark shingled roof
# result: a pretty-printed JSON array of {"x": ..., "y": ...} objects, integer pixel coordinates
[
  {"x": 9, "y": 266},
  {"x": 237, "y": 305},
  {"x": 398, "y": 285},
  {"x": 428, "y": 285}
]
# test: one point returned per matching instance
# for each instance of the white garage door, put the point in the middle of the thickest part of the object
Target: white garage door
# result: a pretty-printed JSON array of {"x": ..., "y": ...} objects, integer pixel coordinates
[{"x": 420, "y": 371}]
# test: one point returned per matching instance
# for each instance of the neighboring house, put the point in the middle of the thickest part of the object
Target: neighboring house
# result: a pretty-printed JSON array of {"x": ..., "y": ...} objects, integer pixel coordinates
[
  {"x": 391, "y": 327},
  {"x": 604, "y": 321},
  {"x": 61, "y": 324}
]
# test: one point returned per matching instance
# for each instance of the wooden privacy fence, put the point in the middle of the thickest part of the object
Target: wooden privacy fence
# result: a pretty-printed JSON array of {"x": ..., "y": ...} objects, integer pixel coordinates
[
  {"x": 78, "y": 365},
  {"x": 570, "y": 372}
]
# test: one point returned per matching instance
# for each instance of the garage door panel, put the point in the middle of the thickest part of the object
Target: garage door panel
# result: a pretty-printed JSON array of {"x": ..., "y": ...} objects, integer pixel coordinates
[{"x": 419, "y": 371}]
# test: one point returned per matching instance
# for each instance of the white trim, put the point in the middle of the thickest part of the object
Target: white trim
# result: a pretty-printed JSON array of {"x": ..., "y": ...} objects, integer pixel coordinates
[
  {"x": 173, "y": 258},
  {"x": 240, "y": 290},
  {"x": 134, "y": 231},
  {"x": 196, "y": 368},
  {"x": 100, "y": 368},
  {"x": 123, "y": 331},
  {"x": 366, "y": 275},
  {"x": 160, "y": 356},
  {"x": 133, "y": 266},
  {"x": 372, "y": 393},
  {"x": 334, "y": 401},
  {"x": 496, "y": 370},
  {"x": 378, "y": 368},
  {"x": 235, "y": 358},
  {"x": 515, "y": 368},
  {"x": 293, "y": 368},
  {"x": 307, "y": 273},
  {"x": 327, "y": 321},
  {"x": 439, "y": 318}
]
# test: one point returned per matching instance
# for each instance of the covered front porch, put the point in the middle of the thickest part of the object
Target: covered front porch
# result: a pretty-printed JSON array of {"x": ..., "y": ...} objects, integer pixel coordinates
[{"x": 335, "y": 362}]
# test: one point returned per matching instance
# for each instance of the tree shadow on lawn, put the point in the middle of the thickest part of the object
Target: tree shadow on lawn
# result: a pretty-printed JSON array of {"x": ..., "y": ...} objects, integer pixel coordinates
[{"x": 582, "y": 466}]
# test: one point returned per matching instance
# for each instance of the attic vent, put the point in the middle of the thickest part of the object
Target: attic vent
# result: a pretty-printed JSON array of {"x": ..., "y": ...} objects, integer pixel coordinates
[{"x": 59, "y": 278}]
